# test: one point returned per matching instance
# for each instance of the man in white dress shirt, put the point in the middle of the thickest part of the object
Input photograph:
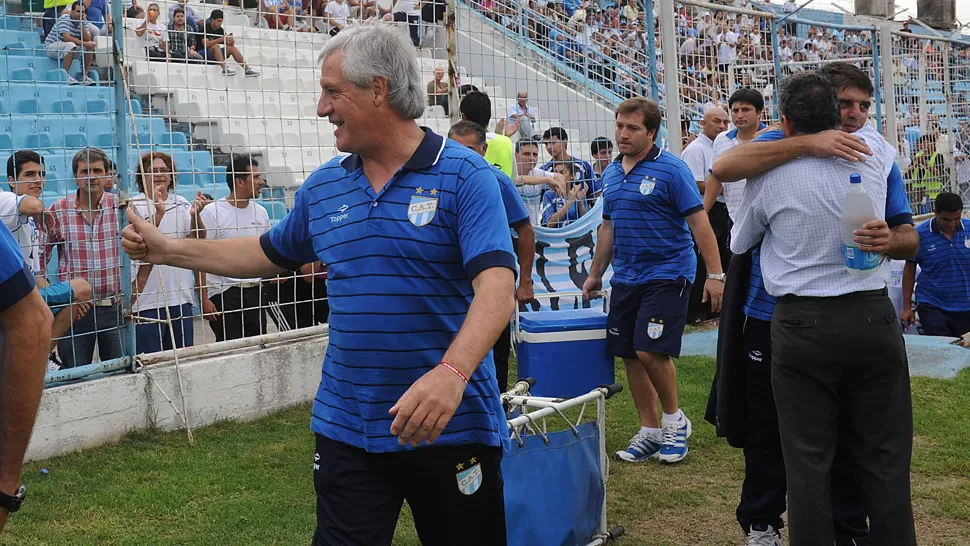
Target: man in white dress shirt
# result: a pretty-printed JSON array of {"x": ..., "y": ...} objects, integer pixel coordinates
[
  {"x": 839, "y": 370},
  {"x": 699, "y": 156}
]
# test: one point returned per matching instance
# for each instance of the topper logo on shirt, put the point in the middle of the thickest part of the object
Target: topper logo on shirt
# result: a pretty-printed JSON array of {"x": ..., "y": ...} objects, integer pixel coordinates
[
  {"x": 342, "y": 214},
  {"x": 648, "y": 185},
  {"x": 421, "y": 210}
]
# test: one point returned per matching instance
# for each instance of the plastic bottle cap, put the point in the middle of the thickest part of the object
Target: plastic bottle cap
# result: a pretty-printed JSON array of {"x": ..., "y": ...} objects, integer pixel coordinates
[{"x": 855, "y": 178}]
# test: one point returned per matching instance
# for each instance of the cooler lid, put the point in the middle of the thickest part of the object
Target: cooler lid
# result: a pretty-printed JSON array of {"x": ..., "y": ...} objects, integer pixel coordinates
[{"x": 566, "y": 320}]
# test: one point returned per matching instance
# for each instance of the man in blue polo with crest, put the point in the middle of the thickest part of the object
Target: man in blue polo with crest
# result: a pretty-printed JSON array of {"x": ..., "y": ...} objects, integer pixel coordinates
[
  {"x": 420, "y": 284},
  {"x": 651, "y": 210}
]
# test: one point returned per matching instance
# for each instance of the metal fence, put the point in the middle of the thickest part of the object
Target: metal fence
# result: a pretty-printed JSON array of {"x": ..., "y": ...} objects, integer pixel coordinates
[{"x": 572, "y": 67}]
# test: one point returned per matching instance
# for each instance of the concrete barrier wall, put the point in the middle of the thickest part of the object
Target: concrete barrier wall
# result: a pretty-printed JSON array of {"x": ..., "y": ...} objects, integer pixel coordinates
[{"x": 242, "y": 384}]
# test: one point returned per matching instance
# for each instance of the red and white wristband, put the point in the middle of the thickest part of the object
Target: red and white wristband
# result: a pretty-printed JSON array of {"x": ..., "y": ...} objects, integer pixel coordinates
[{"x": 455, "y": 370}]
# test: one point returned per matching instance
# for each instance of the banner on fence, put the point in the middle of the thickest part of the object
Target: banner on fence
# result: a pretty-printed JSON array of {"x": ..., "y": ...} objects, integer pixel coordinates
[{"x": 563, "y": 258}]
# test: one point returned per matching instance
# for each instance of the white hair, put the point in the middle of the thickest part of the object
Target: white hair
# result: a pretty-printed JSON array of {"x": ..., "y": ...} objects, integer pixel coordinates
[{"x": 374, "y": 50}]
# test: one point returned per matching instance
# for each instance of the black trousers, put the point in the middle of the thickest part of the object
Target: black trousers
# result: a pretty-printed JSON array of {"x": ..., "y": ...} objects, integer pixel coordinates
[
  {"x": 501, "y": 352},
  {"x": 721, "y": 224},
  {"x": 296, "y": 303},
  {"x": 841, "y": 383},
  {"x": 359, "y": 494},
  {"x": 240, "y": 313},
  {"x": 764, "y": 490}
]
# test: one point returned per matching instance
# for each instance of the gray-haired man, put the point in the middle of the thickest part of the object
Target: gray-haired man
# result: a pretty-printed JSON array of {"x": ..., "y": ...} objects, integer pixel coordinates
[{"x": 415, "y": 237}]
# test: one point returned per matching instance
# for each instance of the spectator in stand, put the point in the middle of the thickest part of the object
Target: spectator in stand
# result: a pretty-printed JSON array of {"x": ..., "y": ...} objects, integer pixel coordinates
[
  {"x": 153, "y": 36},
  {"x": 111, "y": 184},
  {"x": 277, "y": 13},
  {"x": 338, "y": 11},
  {"x": 98, "y": 14},
  {"x": 366, "y": 9},
  {"x": 477, "y": 107},
  {"x": 560, "y": 211},
  {"x": 236, "y": 303},
  {"x": 83, "y": 229},
  {"x": 22, "y": 211},
  {"x": 407, "y": 11},
  {"x": 521, "y": 117},
  {"x": 69, "y": 35},
  {"x": 601, "y": 150},
  {"x": 182, "y": 38},
  {"x": 532, "y": 181},
  {"x": 192, "y": 18},
  {"x": 53, "y": 9},
  {"x": 438, "y": 90},
  {"x": 557, "y": 142},
  {"x": 211, "y": 41},
  {"x": 157, "y": 287}
]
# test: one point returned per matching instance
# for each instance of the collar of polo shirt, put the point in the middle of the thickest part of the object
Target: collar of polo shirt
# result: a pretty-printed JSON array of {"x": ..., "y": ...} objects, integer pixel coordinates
[
  {"x": 651, "y": 156},
  {"x": 733, "y": 133},
  {"x": 427, "y": 154},
  {"x": 935, "y": 229}
]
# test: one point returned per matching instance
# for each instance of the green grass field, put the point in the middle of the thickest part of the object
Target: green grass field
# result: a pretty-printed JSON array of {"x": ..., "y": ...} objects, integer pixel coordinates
[{"x": 250, "y": 483}]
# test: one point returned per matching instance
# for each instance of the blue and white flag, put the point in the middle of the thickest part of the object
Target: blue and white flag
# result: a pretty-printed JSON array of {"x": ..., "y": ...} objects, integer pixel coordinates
[{"x": 563, "y": 258}]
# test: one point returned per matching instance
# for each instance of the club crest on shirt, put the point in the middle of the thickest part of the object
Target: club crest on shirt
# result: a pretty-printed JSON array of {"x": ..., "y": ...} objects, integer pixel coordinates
[
  {"x": 647, "y": 186},
  {"x": 422, "y": 209},
  {"x": 655, "y": 329},
  {"x": 470, "y": 480}
]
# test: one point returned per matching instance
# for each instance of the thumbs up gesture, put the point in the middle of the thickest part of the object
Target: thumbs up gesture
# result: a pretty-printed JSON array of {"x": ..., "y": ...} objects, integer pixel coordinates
[{"x": 143, "y": 241}]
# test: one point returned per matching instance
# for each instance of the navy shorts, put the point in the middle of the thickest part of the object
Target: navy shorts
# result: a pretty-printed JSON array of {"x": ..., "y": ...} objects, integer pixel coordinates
[
  {"x": 937, "y": 322},
  {"x": 648, "y": 317}
]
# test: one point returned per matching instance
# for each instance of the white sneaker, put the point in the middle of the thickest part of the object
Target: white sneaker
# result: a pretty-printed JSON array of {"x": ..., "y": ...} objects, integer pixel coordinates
[
  {"x": 228, "y": 72},
  {"x": 71, "y": 80},
  {"x": 763, "y": 537},
  {"x": 53, "y": 366},
  {"x": 642, "y": 447},
  {"x": 88, "y": 80}
]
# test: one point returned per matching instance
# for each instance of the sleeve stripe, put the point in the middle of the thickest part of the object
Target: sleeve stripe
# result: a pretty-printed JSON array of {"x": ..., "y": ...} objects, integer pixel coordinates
[
  {"x": 16, "y": 287},
  {"x": 494, "y": 258},
  {"x": 274, "y": 255}
]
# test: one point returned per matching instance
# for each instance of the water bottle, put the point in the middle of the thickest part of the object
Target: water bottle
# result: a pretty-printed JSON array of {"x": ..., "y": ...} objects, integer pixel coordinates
[{"x": 857, "y": 210}]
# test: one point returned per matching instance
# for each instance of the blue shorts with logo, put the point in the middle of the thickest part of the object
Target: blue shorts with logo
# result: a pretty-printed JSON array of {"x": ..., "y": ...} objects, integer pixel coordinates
[
  {"x": 57, "y": 295},
  {"x": 648, "y": 317}
]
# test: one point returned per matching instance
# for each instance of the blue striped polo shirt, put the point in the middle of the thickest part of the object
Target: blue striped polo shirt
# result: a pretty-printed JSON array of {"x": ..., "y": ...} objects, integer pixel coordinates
[
  {"x": 515, "y": 209},
  {"x": 648, "y": 207},
  {"x": 400, "y": 265},
  {"x": 16, "y": 279},
  {"x": 759, "y": 304},
  {"x": 944, "y": 280}
]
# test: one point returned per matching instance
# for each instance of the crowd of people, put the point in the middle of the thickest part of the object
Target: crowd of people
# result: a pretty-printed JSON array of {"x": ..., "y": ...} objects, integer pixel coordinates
[{"x": 85, "y": 289}]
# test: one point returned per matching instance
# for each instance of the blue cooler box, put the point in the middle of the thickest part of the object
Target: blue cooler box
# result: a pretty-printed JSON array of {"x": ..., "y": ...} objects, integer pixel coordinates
[{"x": 565, "y": 351}]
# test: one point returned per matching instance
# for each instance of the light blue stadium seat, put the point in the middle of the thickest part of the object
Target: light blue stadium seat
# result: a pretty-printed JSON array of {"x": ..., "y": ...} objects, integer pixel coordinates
[
  {"x": 22, "y": 74},
  {"x": 150, "y": 125},
  {"x": 3, "y": 107},
  {"x": 39, "y": 141},
  {"x": 25, "y": 39},
  {"x": 173, "y": 141},
  {"x": 57, "y": 75},
  {"x": 276, "y": 209},
  {"x": 62, "y": 107},
  {"x": 75, "y": 140},
  {"x": 58, "y": 167},
  {"x": 6, "y": 144}
]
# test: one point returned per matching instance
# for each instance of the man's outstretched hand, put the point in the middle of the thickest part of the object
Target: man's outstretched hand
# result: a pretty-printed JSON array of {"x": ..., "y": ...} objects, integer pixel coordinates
[{"x": 143, "y": 241}]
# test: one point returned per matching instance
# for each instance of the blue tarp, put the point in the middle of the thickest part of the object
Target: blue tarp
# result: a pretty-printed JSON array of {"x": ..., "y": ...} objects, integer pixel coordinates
[{"x": 554, "y": 493}]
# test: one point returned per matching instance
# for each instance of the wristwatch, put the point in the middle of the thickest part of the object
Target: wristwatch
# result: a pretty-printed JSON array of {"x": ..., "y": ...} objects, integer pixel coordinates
[
  {"x": 12, "y": 502},
  {"x": 718, "y": 277}
]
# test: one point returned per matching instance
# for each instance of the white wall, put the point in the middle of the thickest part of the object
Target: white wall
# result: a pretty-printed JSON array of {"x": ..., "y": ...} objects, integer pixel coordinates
[{"x": 243, "y": 384}]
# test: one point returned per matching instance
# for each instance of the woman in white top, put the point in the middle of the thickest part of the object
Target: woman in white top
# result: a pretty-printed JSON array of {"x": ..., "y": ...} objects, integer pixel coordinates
[{"x": 156, "y": 288}]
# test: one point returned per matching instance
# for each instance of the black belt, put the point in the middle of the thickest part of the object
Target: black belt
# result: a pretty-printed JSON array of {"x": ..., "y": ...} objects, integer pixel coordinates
[{"x": 882, "y": 292}]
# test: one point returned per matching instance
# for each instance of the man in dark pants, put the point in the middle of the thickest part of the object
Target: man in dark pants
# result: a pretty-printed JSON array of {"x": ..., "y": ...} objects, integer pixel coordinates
[
  {"x": 943, "y": 293},
  {"x": 472, "y": 136},
  {"x": 839, "y": 372},
  {"x": 854, "y": 93},
  {"x": 420, "y": 276},
  {"x": 299, "y": 301},
  {"x": 234, "y": 305}
]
